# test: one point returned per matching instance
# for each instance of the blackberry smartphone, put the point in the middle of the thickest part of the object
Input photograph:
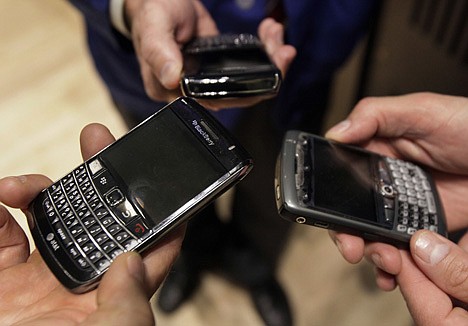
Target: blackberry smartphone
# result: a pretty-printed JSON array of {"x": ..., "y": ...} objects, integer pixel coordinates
[
  {"x": 348, "y": 189},
  {"x": 228, "y": 65},
  {"x": 135, "y": 191}
]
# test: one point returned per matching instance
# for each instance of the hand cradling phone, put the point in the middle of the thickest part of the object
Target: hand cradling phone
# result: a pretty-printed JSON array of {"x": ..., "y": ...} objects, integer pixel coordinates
[
  {"x": 133, "y": 192},
  {"x": 228, "y": 65},
  {"x": 348, "y": 189}
]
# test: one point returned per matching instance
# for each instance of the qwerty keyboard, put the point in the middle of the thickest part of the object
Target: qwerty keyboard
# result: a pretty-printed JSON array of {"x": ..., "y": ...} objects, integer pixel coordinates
[{"x": 91, "y": 218}]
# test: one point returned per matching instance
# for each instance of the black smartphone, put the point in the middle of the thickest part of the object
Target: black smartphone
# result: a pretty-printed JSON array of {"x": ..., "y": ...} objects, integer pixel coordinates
[
  {"x": 135, "y": 191},
  {"x": 348, "y": 189},
  {"x": 228, "y": 65}
]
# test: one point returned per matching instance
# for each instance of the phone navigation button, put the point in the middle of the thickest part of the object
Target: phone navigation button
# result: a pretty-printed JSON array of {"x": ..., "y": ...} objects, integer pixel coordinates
[{"x": 114, "y": 197}]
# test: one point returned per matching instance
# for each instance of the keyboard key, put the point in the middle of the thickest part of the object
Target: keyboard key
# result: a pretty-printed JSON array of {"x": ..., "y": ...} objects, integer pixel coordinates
[
  {"x": 95, "y": 256},
  {"x": 101, "y": 237},
  {"x": 104, "y": 182},
  {"x": 88, "y": 247},
  {"x": 138, "y": 227},
  {"x": 102, "y": 264},
  {"x": 109, "y": 246},
  {"x": 82, "y": 221},
  {"x": 61, "y": 231},
  {"x": 122, "y": 236},
  {"x": 114, "y": 228}
]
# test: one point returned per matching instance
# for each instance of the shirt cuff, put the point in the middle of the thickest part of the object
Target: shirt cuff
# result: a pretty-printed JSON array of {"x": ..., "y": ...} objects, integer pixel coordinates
[{"x": 117, "y": 16}]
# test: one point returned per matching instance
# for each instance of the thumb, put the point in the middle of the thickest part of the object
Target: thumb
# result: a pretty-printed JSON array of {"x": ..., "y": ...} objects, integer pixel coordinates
[
  {"x": 443, "y": 262},
  {"x": 387, "y": 117},
  {"x": 93, "y": 138},
  {"x": 121, "y": 296}
]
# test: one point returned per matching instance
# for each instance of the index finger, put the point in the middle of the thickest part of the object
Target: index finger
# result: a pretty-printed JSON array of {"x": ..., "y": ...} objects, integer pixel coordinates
[{"x": 271, "y": 34}]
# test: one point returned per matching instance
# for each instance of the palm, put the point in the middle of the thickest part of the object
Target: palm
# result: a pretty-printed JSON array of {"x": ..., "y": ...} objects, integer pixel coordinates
[{"x": 29, "y": 292}]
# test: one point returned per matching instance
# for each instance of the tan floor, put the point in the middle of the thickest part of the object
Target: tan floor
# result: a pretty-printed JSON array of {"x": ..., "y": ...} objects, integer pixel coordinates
[{"x": 49, "y": 91}]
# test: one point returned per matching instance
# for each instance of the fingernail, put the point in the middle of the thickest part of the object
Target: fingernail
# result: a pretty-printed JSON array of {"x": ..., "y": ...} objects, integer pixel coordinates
[
  {"x": 21, "y": 178},
  {"x": 338, "y": 244},
  {"x": 135, "y": 266},
  {"x": 169, "y": 72},
  {"x": 430, "y": 248},
  {"x": 340, "y": 127}
]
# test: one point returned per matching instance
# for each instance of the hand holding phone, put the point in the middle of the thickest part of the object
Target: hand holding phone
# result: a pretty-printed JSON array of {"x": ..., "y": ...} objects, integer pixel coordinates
[
  {"x": 228, "y": 65},
  {"x": 348, "y": 189},
  {"x": 135, "y": 191},
  {"x": 30, "y": 294}
]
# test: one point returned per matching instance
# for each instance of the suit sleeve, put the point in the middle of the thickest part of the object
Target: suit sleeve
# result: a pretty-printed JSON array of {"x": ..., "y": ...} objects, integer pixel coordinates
[{"x": 96, "y": 14}]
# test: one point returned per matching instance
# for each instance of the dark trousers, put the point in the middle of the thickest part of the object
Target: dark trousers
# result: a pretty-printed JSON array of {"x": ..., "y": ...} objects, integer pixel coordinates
[{"x": 248, "y": 245}]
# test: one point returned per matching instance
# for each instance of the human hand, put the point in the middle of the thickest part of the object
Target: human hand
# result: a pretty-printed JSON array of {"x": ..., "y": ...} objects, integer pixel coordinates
[
  {"x": 426, "y": 128},
  {"x": 160, "y": 28},
  {"x": 433, "y": 280},
  {"x": 31, "y": 295}
]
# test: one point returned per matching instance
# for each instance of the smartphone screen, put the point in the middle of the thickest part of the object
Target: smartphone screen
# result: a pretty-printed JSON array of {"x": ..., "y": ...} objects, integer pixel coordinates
[
  {"x": 344, "y": 180},
  {"x": 163, "y": 166}
]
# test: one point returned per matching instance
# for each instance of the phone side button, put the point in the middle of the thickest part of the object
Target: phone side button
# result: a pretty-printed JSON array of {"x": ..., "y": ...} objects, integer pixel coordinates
[
  {"x": 278, "y": 192},
  {"x": 389, "y": 216},
  {"x": 321, "y": 225}
]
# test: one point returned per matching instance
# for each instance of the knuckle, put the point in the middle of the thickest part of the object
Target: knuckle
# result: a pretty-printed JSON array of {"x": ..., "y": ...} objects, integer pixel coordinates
[
  {"x": 365, "y": 103},
  {"x": 274, "y": 29},
  {"x": 148, "y": 51},
  {"x": 423, "y": 97}
]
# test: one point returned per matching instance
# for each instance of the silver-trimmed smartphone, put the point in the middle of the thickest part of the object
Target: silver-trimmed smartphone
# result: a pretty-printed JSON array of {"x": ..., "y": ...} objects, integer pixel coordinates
[
  {"x": 228, "y": 65},
  {"x": 132, "y": 193},
  {"x": 348, "y": 189}
]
